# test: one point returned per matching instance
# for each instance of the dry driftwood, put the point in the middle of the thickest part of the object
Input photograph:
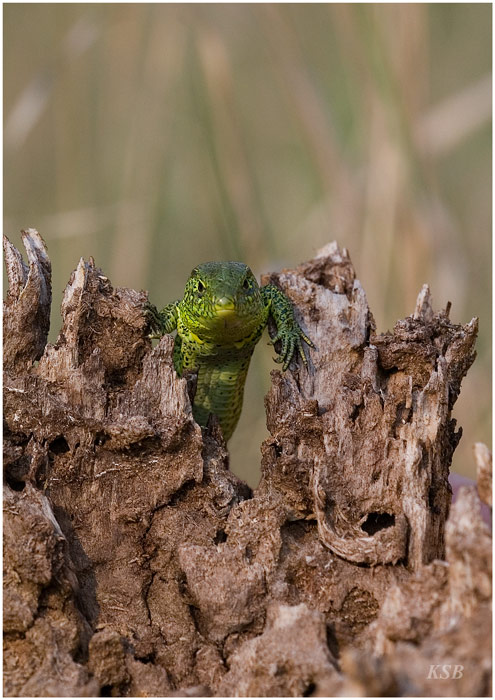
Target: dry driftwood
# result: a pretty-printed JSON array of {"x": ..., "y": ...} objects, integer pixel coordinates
[{"x": 138, "y": 564}]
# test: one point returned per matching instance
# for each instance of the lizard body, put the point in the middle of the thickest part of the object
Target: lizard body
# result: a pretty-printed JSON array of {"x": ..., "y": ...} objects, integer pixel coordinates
[{"x": 219, "y": 321}]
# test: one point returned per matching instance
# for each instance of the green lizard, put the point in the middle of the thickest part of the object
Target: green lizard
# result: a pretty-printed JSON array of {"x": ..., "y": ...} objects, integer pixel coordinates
[{"x": 219, "y": 321}]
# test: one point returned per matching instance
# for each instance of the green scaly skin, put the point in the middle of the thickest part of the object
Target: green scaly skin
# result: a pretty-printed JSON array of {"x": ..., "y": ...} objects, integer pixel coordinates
[{"x": 219, "y": 321}]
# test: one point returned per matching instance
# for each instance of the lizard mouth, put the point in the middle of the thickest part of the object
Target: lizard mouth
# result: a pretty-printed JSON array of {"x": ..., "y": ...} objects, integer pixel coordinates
[
  {"x": 225, "y": 308},
  {"x": 227, "y": 318}
]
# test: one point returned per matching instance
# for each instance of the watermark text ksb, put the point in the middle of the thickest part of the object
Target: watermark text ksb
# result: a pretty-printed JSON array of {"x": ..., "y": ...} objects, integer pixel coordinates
[{"x": 445, "y": 671}]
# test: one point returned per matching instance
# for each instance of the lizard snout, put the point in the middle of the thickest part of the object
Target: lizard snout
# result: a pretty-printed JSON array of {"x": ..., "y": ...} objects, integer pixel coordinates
[{"x": 225, "y": 305}]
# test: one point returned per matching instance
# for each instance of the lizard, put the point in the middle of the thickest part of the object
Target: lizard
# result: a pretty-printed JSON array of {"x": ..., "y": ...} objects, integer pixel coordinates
[{"x": 219, "y": 321}]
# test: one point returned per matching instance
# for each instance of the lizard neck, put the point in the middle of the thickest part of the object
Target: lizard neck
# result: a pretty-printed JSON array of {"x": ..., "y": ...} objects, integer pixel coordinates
[{"x": 222, "y": 368}]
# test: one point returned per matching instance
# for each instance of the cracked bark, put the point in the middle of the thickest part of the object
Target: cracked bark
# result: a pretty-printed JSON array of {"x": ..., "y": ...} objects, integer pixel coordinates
[{"x": 138, "y": 564}]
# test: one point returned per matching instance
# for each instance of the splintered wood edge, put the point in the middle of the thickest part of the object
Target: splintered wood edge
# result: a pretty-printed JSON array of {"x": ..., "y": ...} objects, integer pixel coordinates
[
  {"x": 17, "y": 270},
  {"x": 483, "y": 458}
]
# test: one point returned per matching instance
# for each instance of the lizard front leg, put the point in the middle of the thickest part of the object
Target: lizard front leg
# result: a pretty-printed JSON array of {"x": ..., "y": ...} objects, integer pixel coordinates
[
  {"x": 288, "y": 329},
  {"x": 162, "y": 322}
]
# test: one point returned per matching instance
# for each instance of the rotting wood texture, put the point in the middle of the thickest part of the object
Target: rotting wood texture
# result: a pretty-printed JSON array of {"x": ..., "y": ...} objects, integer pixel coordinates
[{"x": 137, "y": 564}]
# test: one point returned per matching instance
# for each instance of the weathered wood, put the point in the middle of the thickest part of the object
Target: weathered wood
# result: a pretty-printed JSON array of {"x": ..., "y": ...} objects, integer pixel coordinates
[
  {"x": 483, "y": 458},
  {"x": 374, "y": 431},
  {"x": 148, "y": 568},
  {"x": 26, "y": 311}
]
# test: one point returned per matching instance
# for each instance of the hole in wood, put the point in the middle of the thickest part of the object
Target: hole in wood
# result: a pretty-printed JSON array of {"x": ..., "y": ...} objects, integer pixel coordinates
[
  {"x": 377, "y": 521},
  {"x": 100, "y": 439},
  {"x": 332, "y": 641},
  {"x": 59, "y": 446},
  {"x": 221, "y": 536},
  {"x": 15, "y": 484},
  {"x": 309, "y": 690}
]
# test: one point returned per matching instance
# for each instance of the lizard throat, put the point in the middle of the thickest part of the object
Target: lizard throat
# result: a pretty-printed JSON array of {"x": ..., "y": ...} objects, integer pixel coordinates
[
  {"x": 225, "y": 323},
  {"x": 224, "y": 327}
]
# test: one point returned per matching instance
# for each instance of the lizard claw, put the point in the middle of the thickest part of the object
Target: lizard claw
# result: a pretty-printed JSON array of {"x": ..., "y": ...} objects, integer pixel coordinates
[
  {"x": 307, "y": 340},
  {"x": 160, "y": 322},
  {"x": 291, "y": 345},
  {"x": 152, "y": 314},
  {"x": 272, "y": 341}
]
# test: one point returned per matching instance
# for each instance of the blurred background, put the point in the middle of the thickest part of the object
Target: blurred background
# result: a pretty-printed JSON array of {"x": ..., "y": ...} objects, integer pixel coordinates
[{"x": 158, "y": 136}]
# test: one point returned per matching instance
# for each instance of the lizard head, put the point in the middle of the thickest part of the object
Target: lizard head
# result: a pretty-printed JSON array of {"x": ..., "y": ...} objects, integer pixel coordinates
[{"x": 222, "y": 302}]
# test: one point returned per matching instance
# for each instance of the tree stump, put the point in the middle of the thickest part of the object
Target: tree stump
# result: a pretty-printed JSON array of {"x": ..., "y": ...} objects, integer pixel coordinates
[{"x": 138, "y": 564}]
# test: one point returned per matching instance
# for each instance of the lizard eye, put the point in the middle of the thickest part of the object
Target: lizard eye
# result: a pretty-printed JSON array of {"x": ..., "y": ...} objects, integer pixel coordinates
[
  {"x": 245, "y": 284},
  {"x": 201, "y": 287}
]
